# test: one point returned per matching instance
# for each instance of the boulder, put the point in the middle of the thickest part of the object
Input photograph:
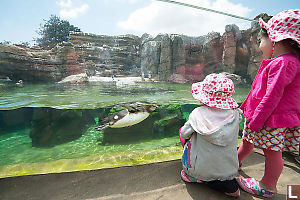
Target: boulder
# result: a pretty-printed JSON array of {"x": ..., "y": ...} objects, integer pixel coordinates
[
  {"x": 75, "y": 79},
  {"x": 237, "y": 80}
]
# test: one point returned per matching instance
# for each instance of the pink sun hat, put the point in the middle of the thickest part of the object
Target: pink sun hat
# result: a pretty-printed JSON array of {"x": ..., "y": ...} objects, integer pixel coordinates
[
  {"x": 215, "y": 91},
  {"x": 284, "y": 25}
]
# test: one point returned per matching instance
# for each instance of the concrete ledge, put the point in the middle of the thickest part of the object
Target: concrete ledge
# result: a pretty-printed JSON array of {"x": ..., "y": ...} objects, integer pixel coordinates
[{"x": 151, "y": 181}]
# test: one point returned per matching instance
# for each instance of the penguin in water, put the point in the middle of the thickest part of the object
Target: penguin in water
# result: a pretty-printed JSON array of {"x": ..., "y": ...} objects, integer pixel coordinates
[
  {"x": 19, "y": 83},
  {"x": 127, "y": 117}
]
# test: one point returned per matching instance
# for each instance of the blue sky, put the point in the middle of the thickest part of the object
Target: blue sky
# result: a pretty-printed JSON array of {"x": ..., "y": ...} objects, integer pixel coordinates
[{"x": 19, "y": 20}]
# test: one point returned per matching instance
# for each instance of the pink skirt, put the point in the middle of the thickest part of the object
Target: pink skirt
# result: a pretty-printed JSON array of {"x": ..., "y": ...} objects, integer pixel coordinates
[{"x": 276, "y": 139}]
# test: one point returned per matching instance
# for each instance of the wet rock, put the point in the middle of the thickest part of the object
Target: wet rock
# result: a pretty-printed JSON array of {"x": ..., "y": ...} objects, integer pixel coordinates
[
  {"x": 75, "y": 79},
  {"x": 237, "y": 80},
  {"x": 51, "y": 127}
]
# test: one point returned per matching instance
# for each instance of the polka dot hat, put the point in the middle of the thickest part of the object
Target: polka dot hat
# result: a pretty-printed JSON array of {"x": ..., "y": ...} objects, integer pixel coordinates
[
  {"x": 215, "y": 91},
  {"x": 284, "y": 25}
]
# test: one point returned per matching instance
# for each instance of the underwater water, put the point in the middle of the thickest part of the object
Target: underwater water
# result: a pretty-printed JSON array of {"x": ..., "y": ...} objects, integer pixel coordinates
[{"x": 52, "y": 128}]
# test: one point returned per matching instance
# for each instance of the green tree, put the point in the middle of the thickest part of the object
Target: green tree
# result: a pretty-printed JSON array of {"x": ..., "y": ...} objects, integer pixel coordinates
[
  {"x": 26, "y": 44},
  {"x": 54, "y": 31},
  {"x": 5, "y": 42}
]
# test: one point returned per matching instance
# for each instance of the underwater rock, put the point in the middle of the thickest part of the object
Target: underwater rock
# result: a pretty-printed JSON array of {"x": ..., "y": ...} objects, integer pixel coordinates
[
  {"x": 15, "y": 119},
  {"x": 171, "y": 119},
  {"x": 51, "y": 127}
]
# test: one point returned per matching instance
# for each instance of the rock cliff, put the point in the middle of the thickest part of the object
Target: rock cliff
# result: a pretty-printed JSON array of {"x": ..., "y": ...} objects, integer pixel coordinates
[
  {"x": 166, "y": 57},
  {"x": 37, "y": 65}
]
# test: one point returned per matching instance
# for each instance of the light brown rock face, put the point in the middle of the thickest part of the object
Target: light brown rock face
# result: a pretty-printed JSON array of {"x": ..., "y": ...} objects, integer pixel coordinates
[
  {"x": 110, "y": 55},
  {"x": 165, "y": 64},
  {"x": 167, "y": 57},
  {"x": 150, "y": 58},
  {"x": 230, "y": 37},
  {"x": 45, "y": 66}
]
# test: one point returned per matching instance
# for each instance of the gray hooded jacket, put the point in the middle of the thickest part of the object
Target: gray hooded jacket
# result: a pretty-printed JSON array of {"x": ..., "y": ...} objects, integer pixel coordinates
[{"x": 211, "y": 152}]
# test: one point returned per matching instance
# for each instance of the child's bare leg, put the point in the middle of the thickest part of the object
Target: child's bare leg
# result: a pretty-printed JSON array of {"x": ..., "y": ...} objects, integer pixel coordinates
[
  {"x": 273, "y": 169},
  {"x": 244, "y": 150}
]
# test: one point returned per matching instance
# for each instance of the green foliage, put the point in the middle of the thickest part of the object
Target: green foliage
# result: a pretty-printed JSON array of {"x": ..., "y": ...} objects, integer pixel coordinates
[
  {"x": 26, "y": 44},
  {"x": 174, "y": 107},
  {"x": 165, "y": 121},
  {"x": 54, "y": 31},
  {"x": 5, "y": 42}
]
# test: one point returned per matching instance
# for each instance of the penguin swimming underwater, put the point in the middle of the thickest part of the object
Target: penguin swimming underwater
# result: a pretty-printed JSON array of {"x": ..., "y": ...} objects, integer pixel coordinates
[{"x": 127, "y": 117}]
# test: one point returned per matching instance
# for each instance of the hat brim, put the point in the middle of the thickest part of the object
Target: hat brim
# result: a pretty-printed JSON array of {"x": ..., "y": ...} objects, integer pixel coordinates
[
  {"x": 277, "y": 36},
  {"x": 263, "y": 24}
]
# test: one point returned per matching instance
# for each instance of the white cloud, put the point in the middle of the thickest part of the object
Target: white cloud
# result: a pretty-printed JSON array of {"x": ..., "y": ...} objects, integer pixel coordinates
[
  {"x": 133, "y": 1},
  {"x": 66, "y": 4},
  {"x": 161, "y": 17},
  {"x": 123, "y": 1},
  {"x": 69, "y": 11}
]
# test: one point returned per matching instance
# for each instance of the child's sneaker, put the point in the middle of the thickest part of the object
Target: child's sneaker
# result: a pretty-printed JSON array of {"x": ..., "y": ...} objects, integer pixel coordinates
[{"x": 188, "y": 178}]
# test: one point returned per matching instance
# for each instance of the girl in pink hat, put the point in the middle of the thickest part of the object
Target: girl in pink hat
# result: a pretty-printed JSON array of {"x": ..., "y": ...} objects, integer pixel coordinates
[
  {"x": 211, "y": 135},
  {"x": 272, "y": 108}
]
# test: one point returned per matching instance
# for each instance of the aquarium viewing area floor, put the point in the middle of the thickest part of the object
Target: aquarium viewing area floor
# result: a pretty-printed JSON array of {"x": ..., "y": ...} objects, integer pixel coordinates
[{"x": 151, "y": 181}]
